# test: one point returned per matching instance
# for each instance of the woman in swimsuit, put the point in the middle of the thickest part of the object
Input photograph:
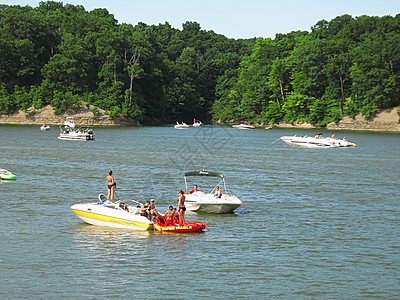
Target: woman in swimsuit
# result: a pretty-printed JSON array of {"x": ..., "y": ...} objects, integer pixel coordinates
[
  {"x": 218, "y": 193},
  {"x": 181, "y": 207},
  {"x": 110, "y": 185}
]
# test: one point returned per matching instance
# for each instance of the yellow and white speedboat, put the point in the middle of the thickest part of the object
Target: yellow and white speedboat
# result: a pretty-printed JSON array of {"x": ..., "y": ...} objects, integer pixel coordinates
[{"x": 119, "y": 214}]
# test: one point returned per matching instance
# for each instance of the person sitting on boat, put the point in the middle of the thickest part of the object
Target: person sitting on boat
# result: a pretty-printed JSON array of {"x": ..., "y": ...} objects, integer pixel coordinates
[
  {"x": 144, "y": 209},
  {"x": 334, "y": 136},
  {"x": 181, "y": 207},
  {"x": 169, "y": 214},
  {"x": 218, "y": 193},
  {"x": 111, "y": 185},
  {"x": 152, "y": 210},
  {"x": 194, "y": 190}
]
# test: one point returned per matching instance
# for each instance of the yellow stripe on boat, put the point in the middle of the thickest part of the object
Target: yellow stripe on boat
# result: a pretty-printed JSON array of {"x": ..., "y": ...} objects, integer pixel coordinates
[{"x": 109, "y": 219}]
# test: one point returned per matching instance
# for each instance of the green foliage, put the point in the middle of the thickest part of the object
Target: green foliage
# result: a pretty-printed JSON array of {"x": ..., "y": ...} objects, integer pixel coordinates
[
  {"x": 7, "y": 102},
  {"x": 63, "y": 55},
  {"x": 61, "y": 102}
]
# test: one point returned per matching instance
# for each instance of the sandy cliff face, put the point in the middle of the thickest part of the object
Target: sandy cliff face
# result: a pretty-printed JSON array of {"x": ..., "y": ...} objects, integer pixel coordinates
[
  {"x": 83, "y": 116},
  {"x": 383, "y": 120}
]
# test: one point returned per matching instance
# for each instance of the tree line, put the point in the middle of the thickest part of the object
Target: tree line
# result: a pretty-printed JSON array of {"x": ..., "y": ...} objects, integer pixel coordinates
[{"x": 65, "y": 56}]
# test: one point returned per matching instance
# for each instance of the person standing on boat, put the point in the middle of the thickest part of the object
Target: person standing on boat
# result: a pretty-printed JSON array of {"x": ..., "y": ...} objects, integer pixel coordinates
[
  {"x": 181, "y": 207},
  {"x": 111, "y": 185},
  {"x": 218, "y": 193}
]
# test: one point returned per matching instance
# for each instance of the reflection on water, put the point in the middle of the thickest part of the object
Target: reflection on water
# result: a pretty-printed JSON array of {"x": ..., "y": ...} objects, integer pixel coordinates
[{"x": 86, "y": 231}]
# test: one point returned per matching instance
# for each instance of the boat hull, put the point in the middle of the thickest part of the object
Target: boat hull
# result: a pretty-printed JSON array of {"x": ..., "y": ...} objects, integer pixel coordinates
[
  {"x": 212, "y": 208},
  {"x": 207, "y": 203},
  {"x": 89, "y": 137},
  {"x": 8, "y": 177},
  {"x": 313, "y": 142},
  {"x": 101, "y": 215}
]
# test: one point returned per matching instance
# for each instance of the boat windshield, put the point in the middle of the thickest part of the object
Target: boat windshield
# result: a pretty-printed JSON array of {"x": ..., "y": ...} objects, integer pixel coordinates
[{"x": 130, "y": 202}]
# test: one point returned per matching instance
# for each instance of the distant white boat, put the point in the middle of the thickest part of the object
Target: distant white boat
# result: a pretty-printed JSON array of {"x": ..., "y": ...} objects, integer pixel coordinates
[
  {"x": 197, "y": 123},
  {"x": 83, "y": 133},
  {"x": 318, "y": 141},
  {"x": 243, "y": 125},
  {"x": 181, "y": 125},
  {"x": 70, "y": 122},
  {"x": 45, "y": 127}
]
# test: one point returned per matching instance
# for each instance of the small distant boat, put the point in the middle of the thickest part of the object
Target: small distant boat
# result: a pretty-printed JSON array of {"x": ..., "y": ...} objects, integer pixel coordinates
[
  {"x": 7, "y": 175},
  {"x": 181, "y": 125},
  {"x": 119, "y": 214},
  {"x": 243, "y": 125},
  {"x": 197, "y": 123},
  {"x": 70, "y": 122},
  {"x": 161, "y": 224},
  {"x": 83, "y": 133},
  {"x": 45, "y": 127},
  {"x": 318, "y": 141}
]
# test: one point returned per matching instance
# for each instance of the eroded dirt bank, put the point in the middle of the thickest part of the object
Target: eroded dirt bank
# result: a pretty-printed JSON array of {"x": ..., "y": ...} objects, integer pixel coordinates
[
  {"x": 384, "y": 120},
  {"x": 45, "y": 115}
]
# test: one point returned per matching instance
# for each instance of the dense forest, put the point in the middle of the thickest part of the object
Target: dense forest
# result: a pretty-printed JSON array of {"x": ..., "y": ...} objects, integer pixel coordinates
[{"x": 65, "y": 56}]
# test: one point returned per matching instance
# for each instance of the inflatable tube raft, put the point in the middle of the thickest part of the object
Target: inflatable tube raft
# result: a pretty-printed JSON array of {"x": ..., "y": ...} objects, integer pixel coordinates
[{"x": 161, "y": 224}]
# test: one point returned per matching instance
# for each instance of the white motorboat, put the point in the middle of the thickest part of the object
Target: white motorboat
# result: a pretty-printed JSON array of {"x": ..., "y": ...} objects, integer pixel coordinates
[
  {"x": 83, "y": 133},
  {"x": 318, "y": 141},
  {"x": 181, "y": 125},
  {"x": 45, "y": 127},
  {"x": 207, "y": 202},
  {"x": 197, "y": 123},
  {"x": 69, "y": 121},
  {"x": 121, "y": 214},
  {"x": 243, "y": 125}
]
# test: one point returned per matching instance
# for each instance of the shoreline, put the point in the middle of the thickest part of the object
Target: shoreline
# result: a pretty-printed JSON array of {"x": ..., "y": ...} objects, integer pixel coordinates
[{"x": 386, "y": 120}]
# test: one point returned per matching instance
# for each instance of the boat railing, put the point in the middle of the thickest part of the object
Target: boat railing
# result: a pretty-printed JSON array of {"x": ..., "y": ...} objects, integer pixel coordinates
[{"x": 222, "y": 181}]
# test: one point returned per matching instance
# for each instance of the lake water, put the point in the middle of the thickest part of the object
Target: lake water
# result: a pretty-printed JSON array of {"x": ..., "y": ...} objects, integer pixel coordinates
[{"x": 315, "y": 223}]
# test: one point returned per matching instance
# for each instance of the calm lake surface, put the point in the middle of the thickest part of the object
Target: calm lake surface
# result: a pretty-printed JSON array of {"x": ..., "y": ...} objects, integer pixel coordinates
[{"x": 315, "y": 223}]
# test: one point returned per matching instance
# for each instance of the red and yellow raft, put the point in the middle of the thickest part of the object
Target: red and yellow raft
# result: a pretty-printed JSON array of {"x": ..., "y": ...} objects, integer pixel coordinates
[{"x": 161, "y": 224}]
